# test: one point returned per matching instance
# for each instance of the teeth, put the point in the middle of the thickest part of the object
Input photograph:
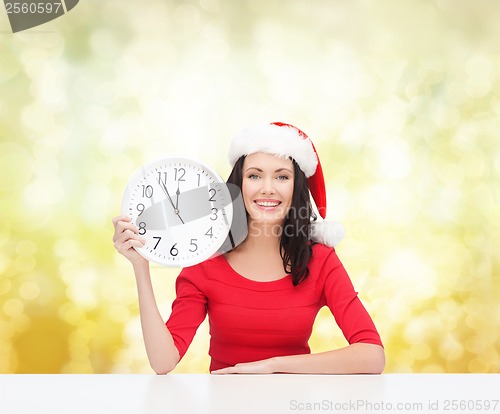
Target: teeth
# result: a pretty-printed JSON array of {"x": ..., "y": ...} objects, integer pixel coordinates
[{"x": 267, "y": 203}]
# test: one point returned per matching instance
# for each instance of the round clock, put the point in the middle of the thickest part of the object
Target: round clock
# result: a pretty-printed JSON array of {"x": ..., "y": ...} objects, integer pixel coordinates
[{"x": 182, "y": 208}]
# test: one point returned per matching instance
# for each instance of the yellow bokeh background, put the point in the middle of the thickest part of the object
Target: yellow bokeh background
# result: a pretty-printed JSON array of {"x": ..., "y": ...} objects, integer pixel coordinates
[{"x": 402, "y": 99}]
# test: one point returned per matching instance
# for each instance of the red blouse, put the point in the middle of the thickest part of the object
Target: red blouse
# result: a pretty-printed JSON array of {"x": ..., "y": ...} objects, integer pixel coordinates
[{"x": 251, "y": 321}]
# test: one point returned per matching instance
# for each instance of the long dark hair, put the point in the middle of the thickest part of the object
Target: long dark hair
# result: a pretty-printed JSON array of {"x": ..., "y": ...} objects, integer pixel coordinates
[{"x": 295, "y": 247}]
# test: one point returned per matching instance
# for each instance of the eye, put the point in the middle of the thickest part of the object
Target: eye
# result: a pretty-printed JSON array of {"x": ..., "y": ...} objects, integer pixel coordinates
[
  {"x": 253, "y": 176},
  {"x": 283, "y": 177}
]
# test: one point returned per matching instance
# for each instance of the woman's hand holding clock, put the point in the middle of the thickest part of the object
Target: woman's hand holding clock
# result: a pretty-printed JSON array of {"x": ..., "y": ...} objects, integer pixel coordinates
[{"x": 126, "y": 237}]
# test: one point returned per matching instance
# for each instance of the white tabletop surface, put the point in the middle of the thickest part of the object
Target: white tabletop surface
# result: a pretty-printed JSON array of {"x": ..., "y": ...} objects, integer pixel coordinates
[{"x": 256, "y": 394}]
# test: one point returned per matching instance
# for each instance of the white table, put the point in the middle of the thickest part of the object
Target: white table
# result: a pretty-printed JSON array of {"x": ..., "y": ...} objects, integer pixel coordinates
[{"x": 256, "y": 394}]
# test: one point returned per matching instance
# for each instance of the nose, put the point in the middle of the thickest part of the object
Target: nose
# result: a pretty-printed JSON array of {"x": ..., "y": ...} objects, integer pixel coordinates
[{"x": 267, "y": 186}]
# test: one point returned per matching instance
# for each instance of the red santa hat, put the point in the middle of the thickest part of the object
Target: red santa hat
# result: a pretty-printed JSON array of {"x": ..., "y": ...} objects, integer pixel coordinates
[{"x": 285, "y": 140}]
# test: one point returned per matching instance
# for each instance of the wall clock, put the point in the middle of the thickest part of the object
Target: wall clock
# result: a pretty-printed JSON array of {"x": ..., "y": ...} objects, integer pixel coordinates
[{"x": 183, "y": 209}]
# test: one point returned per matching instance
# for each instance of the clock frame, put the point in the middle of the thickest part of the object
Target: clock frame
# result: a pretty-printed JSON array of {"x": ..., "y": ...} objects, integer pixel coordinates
[{"x": 182, "y": 208}]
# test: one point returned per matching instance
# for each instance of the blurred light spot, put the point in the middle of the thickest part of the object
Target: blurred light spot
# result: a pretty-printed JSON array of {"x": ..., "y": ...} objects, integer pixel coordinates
[
  {"x": 69, "y": 270},
  {"x": 415, "y": 330},
  {"x": 394, "y": 159},
  {"x": 473, "y": 165},
  {"x": 450, "y": 348},
  {"x": 450, "y": 313},
  {"x": 474, "y": 238},
  {"x": 132, "y": 330},
  {"x": 421, "y": 351},
  {"x": 446, "y": 116},
  {"x": 6, "y": 330},
  {"x": 66, "y": 248},
  {"x": 434, "y": 369},
  {"x": 127, "y": 295},
  {"x": 445, "y": 204},
  {"x": 479, "y": 70},
  {"x": 119, "y": 313},
  {"x": 79, "y": 351},
  {"x": 21, "y": 323},
  {"x": 5, "y": 285},
  {"x": 94, "y": 202},
  {"x": 44, "y": 192},
  {"x": 4, "y": 233},
  {"x": 104, "y": 43},
  {"x": 26, "y": 247},
  {"x": 96, "y": 117},
  {"x": 47, "y": 86},
  {"x": 404, "y": 360},
  {"x": 5, "y": 355},
  {"x": 394, "y": 201},
  {"x": 13, "y": 307},
  {"x": 212, "y": 6},
  {"x": 216, "y": 47},
  {"x": 478, "y": 365},
  {"x": 187, "y": 18},
  {"x": 477, "y": 88},
  {"x": 496, "y": 161},
  {"x": 5, "y": 262},
  {"x": 71, "y": 314},
  {"x": 121, "y": 166},
  {"x": 412, "y": 278},
  {"x": 45, "y": 165},
  {"x": 15, "y": 161},
  {"x": 82, "y": 286},
  {"x": 455, "y": 93},
  {"x": 25, "y": 263},
  {"x": 29, "y": 291}
]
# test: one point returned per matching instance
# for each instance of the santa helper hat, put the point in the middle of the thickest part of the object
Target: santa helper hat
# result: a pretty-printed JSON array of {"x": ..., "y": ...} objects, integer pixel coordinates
[{"x": 285, "y": 140}]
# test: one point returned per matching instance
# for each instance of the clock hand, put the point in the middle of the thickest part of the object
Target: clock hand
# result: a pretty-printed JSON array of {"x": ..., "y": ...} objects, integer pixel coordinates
[
  {"x": 164, "y": 187},
  {"x": 196, "y": 205},
  {"x": 177, "y": 198}
]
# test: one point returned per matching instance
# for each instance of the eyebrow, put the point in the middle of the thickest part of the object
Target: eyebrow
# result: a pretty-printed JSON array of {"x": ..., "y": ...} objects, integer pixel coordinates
[{"x": 260, "y": 170}]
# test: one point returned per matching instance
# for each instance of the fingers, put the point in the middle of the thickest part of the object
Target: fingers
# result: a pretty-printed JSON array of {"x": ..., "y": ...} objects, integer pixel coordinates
[
  {"x": 120, "y": 218},
  {"x": 127, "y": 245},
  {"x": 222, "y": 371},
  {"x": 126, "y": 234},
  {"x": 123, "y": 223}
]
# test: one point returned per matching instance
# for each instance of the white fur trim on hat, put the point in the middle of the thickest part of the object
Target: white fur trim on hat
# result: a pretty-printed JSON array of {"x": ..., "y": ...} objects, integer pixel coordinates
[
  {"x": 279, "y": 140},
  {"x": 329, "y": 233}
]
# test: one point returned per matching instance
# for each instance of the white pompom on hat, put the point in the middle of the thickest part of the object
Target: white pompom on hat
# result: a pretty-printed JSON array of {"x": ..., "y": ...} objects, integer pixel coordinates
[{"x": 285, "y": 140}]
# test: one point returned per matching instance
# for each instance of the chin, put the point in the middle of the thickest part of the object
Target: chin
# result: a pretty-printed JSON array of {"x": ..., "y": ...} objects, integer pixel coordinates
[{"x": 265, "y": 219}]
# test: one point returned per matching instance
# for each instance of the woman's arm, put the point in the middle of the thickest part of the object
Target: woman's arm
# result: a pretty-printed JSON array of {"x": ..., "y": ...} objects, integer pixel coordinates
[
  {"x": 162, "y": 353},
  {"x": 358, "y": 358}
]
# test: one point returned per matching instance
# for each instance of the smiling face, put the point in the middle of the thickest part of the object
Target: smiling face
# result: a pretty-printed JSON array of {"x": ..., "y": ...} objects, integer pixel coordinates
[{"x": 267, "y": 187}]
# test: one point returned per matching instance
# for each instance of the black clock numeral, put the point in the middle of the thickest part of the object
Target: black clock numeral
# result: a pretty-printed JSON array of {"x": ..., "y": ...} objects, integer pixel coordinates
[
  {"x": 142, "y": 228},
  {"x": 157, "y": 243},
  {"x": 173, "y": 250},
  {"x": 193, "y": 244},
  {"x": 140, "y": 208},
  {"x": 214, "y": 214},
  {"x": 209, "y": 233},
  {"x": 213, "y": 195},
  {"x": 147, "y": 191},
  {"x": 162, "y": 181},
  {"x": 179, "y": 174}
]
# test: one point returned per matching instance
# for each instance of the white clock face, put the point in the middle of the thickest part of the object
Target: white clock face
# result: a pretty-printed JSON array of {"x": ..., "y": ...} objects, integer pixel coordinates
[{"x": 182, "y": 208}]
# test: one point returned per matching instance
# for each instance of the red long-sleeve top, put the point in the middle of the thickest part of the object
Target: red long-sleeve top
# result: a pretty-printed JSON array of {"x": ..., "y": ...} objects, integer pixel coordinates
[{"x": 251, "y": 320}]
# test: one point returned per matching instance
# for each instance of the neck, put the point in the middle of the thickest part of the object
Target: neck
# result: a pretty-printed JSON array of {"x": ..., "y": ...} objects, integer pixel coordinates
[{"x": 264, "y": 237}]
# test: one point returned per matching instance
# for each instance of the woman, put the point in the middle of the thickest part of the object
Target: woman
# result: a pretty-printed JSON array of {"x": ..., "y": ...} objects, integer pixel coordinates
[{"x": 262, "y": 297}]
